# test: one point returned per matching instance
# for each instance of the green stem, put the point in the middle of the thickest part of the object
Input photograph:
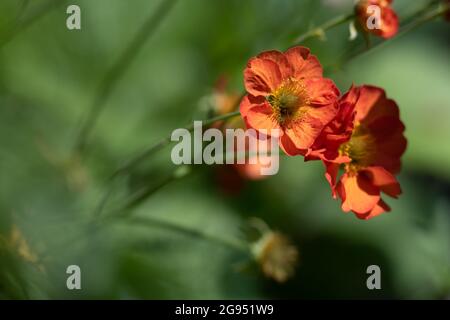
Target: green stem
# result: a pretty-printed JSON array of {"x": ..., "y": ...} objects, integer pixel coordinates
[
  {"x": 429, "y": 16},
  {"x": 90, "y": 228},
  {"x": 116, "y": 72},
  {"x": 320, "y": 30},
  {"x": 144, "y": 193},
  {"x": 29, "y": 20},
  {"x": 227, "y": 242},
  {"x": 421, "y": 11},
  {"x": 134, "y": 161},
  {"x": 166, "y": 141},
  {"x": 22, "y": 9},
  {"x": 423, "y": 18},
  {"x": 179, "y": 173}
]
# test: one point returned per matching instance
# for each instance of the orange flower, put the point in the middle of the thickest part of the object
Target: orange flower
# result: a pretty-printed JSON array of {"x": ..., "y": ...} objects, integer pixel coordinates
[
  {"x": 366, "y": 138},
  {"x": 286, "y": 91},
  {"x": 387, "y": 27}
]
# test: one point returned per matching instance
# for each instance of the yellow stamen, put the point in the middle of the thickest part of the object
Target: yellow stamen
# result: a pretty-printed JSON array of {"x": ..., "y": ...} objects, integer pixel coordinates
[
  {"x": 361, "y": 149},
  {"x": 288, "y": 100}
]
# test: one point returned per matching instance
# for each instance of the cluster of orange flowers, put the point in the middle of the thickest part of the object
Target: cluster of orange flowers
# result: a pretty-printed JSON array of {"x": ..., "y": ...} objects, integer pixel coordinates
[{"x": 360, "y": 131}]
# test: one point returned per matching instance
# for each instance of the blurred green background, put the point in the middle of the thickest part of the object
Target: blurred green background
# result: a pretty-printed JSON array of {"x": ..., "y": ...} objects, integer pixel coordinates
[{"x": 49, "y": 77}]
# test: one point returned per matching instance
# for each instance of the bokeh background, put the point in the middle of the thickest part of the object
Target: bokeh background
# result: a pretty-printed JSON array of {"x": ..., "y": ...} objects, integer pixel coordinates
[{"x": 49, "y": 77}]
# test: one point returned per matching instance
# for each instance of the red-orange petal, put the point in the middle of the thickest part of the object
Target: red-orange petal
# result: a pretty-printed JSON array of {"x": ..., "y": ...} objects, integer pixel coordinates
[
  {"x": 261, "y": 76},
  {"x": 390, "y": 151},
  {"x": 383, "y": 179},
  {"x": 280, "y": 59},
  {"x": 373, "y": 104},
  {"x": 305, "y": 64},
  {"x": 260, "y": 117},
  {"x": 383, "y": 128},
  {"x": 338, "y": 131},
  {"x": 304, "y": 131},
  {"x": 322, "y": 91},
  {"x": 289, "y": 147},
  {"x": 380, "y": 207},
  {"x": 249, "y": 102},
  {"x": 331, "y": 172},
  {"x": 368, "y": 97},
  {"x": 351, "y": 96},
  {"x": 358, "y": 193}
]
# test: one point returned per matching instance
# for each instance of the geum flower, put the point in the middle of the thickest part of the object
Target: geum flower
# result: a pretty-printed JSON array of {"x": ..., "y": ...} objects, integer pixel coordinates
[
  {"x": 287, "y": 91},
  {"x": 366, "y": 139},
  {"x": 277, "y": 255},
  {"x": 386, "y": 27}
]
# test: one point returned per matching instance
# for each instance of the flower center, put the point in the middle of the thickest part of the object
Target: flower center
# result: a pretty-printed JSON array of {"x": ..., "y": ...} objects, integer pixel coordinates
[
  {"x": 361, "y": 148},
  {"x": 288, "y": 99}
]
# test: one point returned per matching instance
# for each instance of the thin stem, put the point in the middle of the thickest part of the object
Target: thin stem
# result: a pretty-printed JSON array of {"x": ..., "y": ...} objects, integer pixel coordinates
[
  {"x": 423, "y": 18},
  {"x": 421, "y": 11},
  {"x": 144, "y": 193},
  {"x": 103, "y": 201},
  {"x": 22, "y": 9},
  {"x": 89, "y": 229},
  {"x": 29, "y": 20},
  {"x": 134, "y": 161},
  {"x": 430, "y": 16},
  {"x": 227, "y": 242},
  {"x": 320, "y": 30},
  {"x": 165, "y": 141},
  {"x": 116, "y": 72}
]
